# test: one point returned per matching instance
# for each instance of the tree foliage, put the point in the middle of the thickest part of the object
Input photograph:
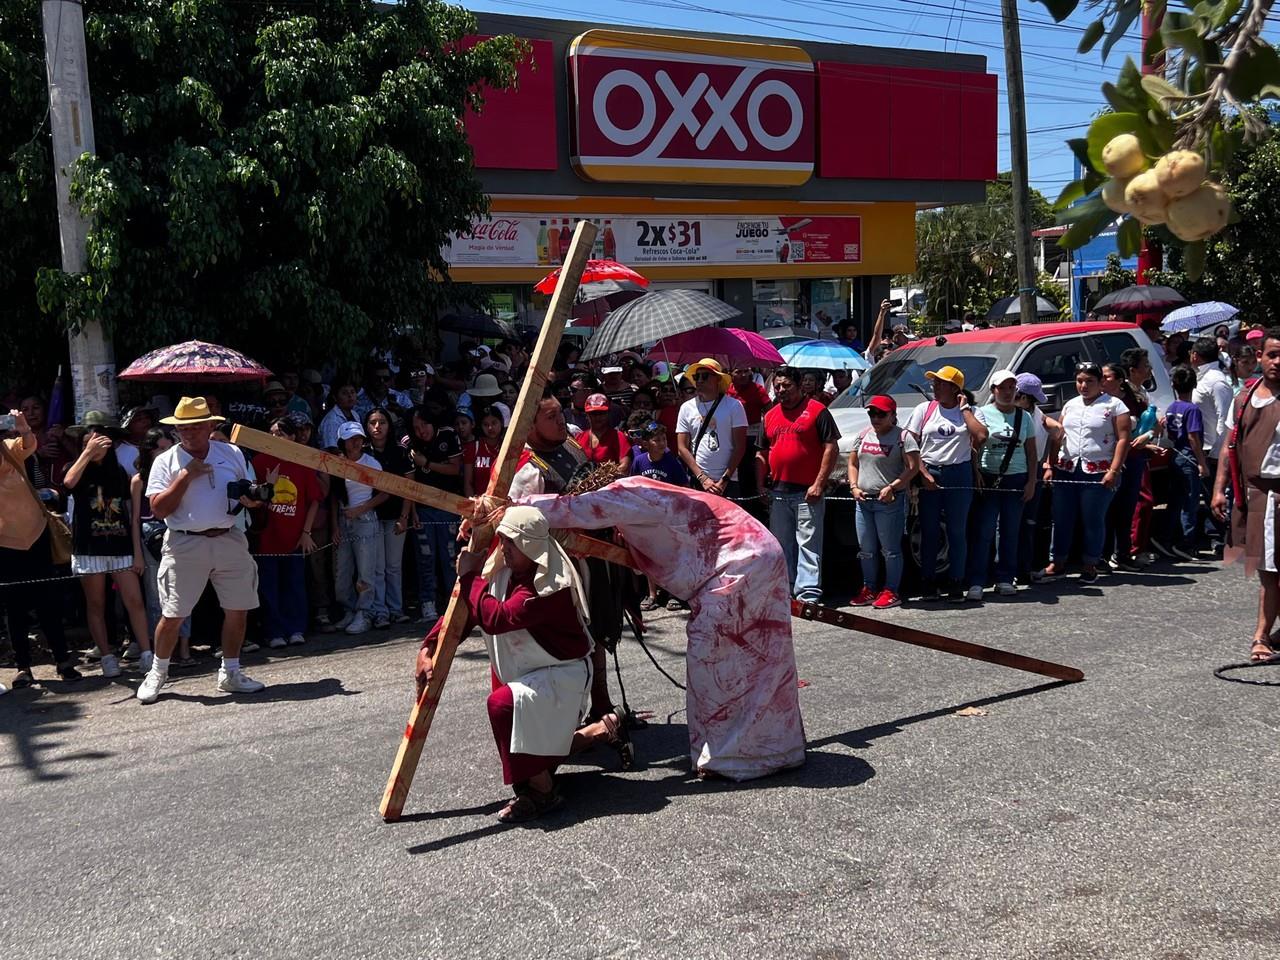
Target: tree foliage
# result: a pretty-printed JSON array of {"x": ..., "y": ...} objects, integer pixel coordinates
[
  {"x": 1215, "y": 63},
  {"x": 963, "y": 257},
  {"x": 281, "y": 176}
]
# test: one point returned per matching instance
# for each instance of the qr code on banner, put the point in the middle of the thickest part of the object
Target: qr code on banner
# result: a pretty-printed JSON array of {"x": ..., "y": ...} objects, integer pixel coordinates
[
  {"x": 797, "y": 249},
  {"x": 851, "y": 251}
]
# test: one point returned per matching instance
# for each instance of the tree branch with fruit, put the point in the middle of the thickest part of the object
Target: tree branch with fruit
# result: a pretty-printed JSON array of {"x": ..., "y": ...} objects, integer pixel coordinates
[{"x": 1158, "y": 155}]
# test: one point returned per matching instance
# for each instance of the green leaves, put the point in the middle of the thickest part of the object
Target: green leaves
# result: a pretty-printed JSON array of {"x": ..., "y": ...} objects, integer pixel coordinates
[
  {"x": 1129, "y": 237},
  {"x": 1060, "y": 9}
]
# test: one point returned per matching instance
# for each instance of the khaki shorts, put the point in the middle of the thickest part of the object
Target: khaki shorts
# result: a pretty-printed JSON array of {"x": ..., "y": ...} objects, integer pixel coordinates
[{"x": 188, "y": 563}]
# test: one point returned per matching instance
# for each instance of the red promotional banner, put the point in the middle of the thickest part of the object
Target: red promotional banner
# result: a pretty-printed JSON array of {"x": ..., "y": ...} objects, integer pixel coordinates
[{"x": 684, "y": 110}]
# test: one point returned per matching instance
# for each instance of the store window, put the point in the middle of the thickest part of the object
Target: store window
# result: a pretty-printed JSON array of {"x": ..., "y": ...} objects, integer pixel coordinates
[
  {"x": 829, "y": 305},
  {"x": 777, "y": 303}
]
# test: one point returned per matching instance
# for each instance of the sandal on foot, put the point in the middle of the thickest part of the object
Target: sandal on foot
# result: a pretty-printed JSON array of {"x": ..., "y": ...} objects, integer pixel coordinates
[
  {"x": 1261, "y": 652},
  {"x": 528, "y": 805},
  {"x": 619, "y": 737},
  {"x": 648, "y": 603},
  {"x": 23, "y": 680}
]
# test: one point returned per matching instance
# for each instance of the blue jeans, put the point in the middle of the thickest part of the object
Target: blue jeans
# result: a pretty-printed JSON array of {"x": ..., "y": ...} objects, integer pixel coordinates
[
  {"x": 1027, "y": 534},
  {"x": 1087, "y": 502},
  {"x": 1119, "y": 539},
  {"x": 360, "y": 565},
  {"x": 954, "y": 499},
  {"x": 1184, "y": 499},
  {"x": 798, "y": 526},
  {"x": 997, "y": 509},
  {"x": 880, "y": 527},
  {"x": 391, "y": 587},
  {"x": 437, "y": 553},
  {"x": 282, "y": 587}
]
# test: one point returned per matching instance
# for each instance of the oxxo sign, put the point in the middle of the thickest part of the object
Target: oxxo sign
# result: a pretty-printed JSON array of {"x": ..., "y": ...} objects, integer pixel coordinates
[{"x": 656, "y": 109}]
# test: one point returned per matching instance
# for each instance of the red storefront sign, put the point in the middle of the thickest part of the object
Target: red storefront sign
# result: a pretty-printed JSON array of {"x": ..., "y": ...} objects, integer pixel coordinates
[{"x": 656, "y": 109}]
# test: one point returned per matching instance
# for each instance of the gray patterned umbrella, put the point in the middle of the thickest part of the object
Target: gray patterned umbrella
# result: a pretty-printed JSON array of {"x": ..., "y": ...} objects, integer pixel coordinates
[{"x": 662, "y": 313}]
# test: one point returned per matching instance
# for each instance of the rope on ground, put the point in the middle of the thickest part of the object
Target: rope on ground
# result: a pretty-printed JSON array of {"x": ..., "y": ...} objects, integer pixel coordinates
[
  {"x": 1221, "y": 672},
  {"x": 635, "y": 628}
]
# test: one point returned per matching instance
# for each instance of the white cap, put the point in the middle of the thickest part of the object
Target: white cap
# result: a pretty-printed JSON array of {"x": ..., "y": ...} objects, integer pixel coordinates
[
  {"x": 609, "y": 370},
  {"x": 350, "y": 429},
  {"x": 1001, "y": 376}
]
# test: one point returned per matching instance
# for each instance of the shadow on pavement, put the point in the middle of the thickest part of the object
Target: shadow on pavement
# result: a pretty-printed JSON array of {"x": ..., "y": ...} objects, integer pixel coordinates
[
  {"x": 591, "y": 794},
  {"x": 31, "y": 721},
  {"x": 856, "y": 739},
  {"x": 276, "y": 693}
]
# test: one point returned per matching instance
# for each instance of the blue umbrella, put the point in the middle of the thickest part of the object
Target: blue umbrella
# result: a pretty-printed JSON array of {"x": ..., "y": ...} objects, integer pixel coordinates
[
  {"x": 822, "y": 355},
  {"x": 1197, "y": 316}
]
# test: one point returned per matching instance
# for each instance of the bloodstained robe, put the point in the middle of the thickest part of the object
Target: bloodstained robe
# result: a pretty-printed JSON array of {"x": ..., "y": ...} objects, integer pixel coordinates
[
  {"x": 742, "y": 702},
  {"x": 539, "y": 650}
]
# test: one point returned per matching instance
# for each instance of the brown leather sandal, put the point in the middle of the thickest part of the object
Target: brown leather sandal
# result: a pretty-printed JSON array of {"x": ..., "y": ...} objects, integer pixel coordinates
[
  {"x": 529, "y": 804},
  {"x": 1261, "y": 651}
]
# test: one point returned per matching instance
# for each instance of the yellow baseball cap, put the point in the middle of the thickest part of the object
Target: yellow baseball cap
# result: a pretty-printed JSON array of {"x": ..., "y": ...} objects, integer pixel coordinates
[{"x": 949, "y": 374}]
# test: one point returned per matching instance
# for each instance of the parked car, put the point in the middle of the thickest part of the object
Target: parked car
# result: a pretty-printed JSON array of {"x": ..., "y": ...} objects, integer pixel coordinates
[{"x": 1049, "y": 350}]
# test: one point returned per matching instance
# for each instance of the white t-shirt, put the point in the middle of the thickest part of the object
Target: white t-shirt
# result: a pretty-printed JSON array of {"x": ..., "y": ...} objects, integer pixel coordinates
[
  {"x": 944, "y": 440},
  {"x": 716, "y": 448},
  {"x": 1089, "y": 429},
  {"x": 204, "y": 503},
  {"x": 1213, "y": 395},
  {"x": 1041, "y": 433},
  {"x": 127, "y": 455},
  {"x": 361, "y": 493},
  {"x": 1270, "y": 462}
]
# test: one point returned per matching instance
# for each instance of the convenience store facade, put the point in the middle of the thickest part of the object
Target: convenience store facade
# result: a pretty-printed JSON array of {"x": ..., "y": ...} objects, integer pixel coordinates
[{"x": 782, "y": 177}]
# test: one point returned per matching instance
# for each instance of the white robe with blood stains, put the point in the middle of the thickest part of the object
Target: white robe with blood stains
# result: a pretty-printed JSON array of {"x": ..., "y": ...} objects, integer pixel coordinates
[{"x": 742, "y": 700}]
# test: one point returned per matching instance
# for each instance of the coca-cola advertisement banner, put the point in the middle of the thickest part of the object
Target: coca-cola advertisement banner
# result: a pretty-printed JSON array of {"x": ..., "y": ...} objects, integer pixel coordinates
[
  {"x": 667, "y": 109},
  {"x": 529, "y": 240}
]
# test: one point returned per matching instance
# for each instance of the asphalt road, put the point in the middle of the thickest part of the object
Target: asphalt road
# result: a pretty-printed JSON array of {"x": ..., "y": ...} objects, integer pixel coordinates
[{"x": 1128, "y": 816}]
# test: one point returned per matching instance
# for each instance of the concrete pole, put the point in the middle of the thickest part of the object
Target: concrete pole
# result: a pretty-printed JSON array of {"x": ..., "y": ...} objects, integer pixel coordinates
[
  {"x": 93, "y": 366},
  {"x": 1018, "y": 160}
]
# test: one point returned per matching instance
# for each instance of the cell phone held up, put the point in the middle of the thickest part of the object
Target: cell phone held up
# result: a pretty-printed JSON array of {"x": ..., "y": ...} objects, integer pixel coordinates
[{"x": 8, "y": 423}]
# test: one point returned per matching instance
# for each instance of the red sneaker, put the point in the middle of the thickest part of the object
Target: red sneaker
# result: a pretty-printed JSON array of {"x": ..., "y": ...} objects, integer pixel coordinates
[
  {"x": 864, "y": 599},
  {"x": 886, "y": 600}
]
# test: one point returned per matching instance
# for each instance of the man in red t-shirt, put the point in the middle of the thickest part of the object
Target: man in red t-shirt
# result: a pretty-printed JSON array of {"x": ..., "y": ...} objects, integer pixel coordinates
[
  {"x": 285, "y": 541},
  {"x": 600, "y": 441},
  {"x": 798, "y": 449}
]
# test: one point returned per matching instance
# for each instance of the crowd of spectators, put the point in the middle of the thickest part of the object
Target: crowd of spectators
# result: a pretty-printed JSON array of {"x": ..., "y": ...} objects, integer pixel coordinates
[{"x": 980, "y": 474}]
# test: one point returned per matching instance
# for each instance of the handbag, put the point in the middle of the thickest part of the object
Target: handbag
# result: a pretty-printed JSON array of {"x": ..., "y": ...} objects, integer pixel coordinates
[
  {"x": 702, "y": 430},
  {"x": 59, "y": 532}
]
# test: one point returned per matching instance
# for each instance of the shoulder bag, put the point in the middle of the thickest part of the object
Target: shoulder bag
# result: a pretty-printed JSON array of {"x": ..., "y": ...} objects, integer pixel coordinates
[
  {"x": 702, "y": 430},
  {"x": 59, "y": 532}
]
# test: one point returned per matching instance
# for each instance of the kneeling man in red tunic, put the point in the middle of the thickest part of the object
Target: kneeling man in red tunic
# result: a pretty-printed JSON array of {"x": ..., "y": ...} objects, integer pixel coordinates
[{"x": 532, "y": 613}]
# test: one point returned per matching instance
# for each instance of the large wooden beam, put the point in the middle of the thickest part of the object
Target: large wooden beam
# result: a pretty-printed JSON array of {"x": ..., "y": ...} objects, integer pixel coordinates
[{"x": 455, "y": 617}]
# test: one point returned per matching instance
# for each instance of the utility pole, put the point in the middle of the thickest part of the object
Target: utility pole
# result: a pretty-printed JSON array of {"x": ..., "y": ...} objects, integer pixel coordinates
[
  {"x": 1018, "y": 159},
  {"x": 93, "y": 365}
]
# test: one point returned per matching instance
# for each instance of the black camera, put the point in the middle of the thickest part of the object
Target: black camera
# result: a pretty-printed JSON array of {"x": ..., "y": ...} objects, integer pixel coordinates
[{"x": 262, "y": 492}]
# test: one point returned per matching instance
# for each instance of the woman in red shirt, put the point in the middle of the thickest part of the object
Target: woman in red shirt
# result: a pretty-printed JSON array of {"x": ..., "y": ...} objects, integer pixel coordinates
[
  {"x": 479, "y": 454},
  {"x": 601, "y": 442}
]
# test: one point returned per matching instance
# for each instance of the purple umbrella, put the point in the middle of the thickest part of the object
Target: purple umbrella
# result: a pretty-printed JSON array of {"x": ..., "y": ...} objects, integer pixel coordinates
[{"x": 728, "y": 344}]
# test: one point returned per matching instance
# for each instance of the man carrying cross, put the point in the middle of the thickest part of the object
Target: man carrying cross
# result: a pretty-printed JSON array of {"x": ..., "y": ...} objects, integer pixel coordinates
[{"x": 532, "y": 612}]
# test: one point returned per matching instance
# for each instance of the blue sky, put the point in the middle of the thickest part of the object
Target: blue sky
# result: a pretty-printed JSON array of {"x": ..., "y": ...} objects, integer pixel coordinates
[{"x": 1062, "y": 86}]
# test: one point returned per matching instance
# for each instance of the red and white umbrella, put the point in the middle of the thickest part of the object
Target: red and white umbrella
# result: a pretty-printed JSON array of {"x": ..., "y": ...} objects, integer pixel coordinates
[{"x": 595, "y": 272}]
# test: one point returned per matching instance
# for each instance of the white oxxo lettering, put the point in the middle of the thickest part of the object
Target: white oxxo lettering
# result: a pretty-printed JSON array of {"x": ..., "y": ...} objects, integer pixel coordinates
[{"x": 682, "y": 103}]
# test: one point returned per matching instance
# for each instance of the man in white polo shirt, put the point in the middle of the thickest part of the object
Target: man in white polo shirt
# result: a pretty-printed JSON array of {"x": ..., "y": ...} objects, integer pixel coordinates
[{"x": 187, "y": 489}]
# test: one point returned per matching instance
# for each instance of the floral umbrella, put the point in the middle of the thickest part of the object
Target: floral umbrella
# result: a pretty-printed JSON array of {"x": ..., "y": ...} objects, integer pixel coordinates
[{"x": 195, "y": 360}]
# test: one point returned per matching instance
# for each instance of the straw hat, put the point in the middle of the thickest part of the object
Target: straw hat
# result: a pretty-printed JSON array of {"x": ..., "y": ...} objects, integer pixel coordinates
[{"x": 192, "y": 410}]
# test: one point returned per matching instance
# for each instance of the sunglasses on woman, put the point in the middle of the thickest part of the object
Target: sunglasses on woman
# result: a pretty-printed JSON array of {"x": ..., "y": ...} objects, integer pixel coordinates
[{"x": 1089, "y": 367}]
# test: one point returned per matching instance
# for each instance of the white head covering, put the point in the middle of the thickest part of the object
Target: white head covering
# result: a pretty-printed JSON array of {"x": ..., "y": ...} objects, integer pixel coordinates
[{"x": 527, "y": 529}]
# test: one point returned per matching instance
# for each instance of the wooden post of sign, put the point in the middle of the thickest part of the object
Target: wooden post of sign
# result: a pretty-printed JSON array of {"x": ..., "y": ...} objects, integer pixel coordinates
[{"x": 455, "y": 617}]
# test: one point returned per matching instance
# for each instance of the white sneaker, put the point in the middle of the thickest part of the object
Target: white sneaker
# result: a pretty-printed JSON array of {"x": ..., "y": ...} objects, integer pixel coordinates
[
  {"x": 131, "y": 652},
  {"x": 359, "y": 624},
  {"x": 237, "y": 681},
  {"x": 344, "y": 621},
  {"x": 110, "y": 665},
  {"x": 428, "y": 614},
  {"x": 249, "y": 647},
  {"x": 296, "y": 639},
  {"x": 149, "y": 689},
  {"x": 1006, "y": 589},
  {"x": 146, "y": 659},
  {"x": 974, "y": 594},
  {"x": 275, "y": 643}
]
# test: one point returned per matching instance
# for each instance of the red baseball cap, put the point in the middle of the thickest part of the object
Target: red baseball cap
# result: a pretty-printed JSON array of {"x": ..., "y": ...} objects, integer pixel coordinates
[
  {"x": 596, "y": 403},
  {"x": 881, "y": 402}
]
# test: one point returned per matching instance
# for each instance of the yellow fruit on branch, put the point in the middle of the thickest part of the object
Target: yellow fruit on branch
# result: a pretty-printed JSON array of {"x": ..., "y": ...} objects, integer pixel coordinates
[
  {"x": 1146, "y": 200},
  {"x": 1180, "y": 173},
  {"x": 1113, "y": 195},
  {"x": 1123, "y": 156},
  {"x": 1200, "y": 214}
]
